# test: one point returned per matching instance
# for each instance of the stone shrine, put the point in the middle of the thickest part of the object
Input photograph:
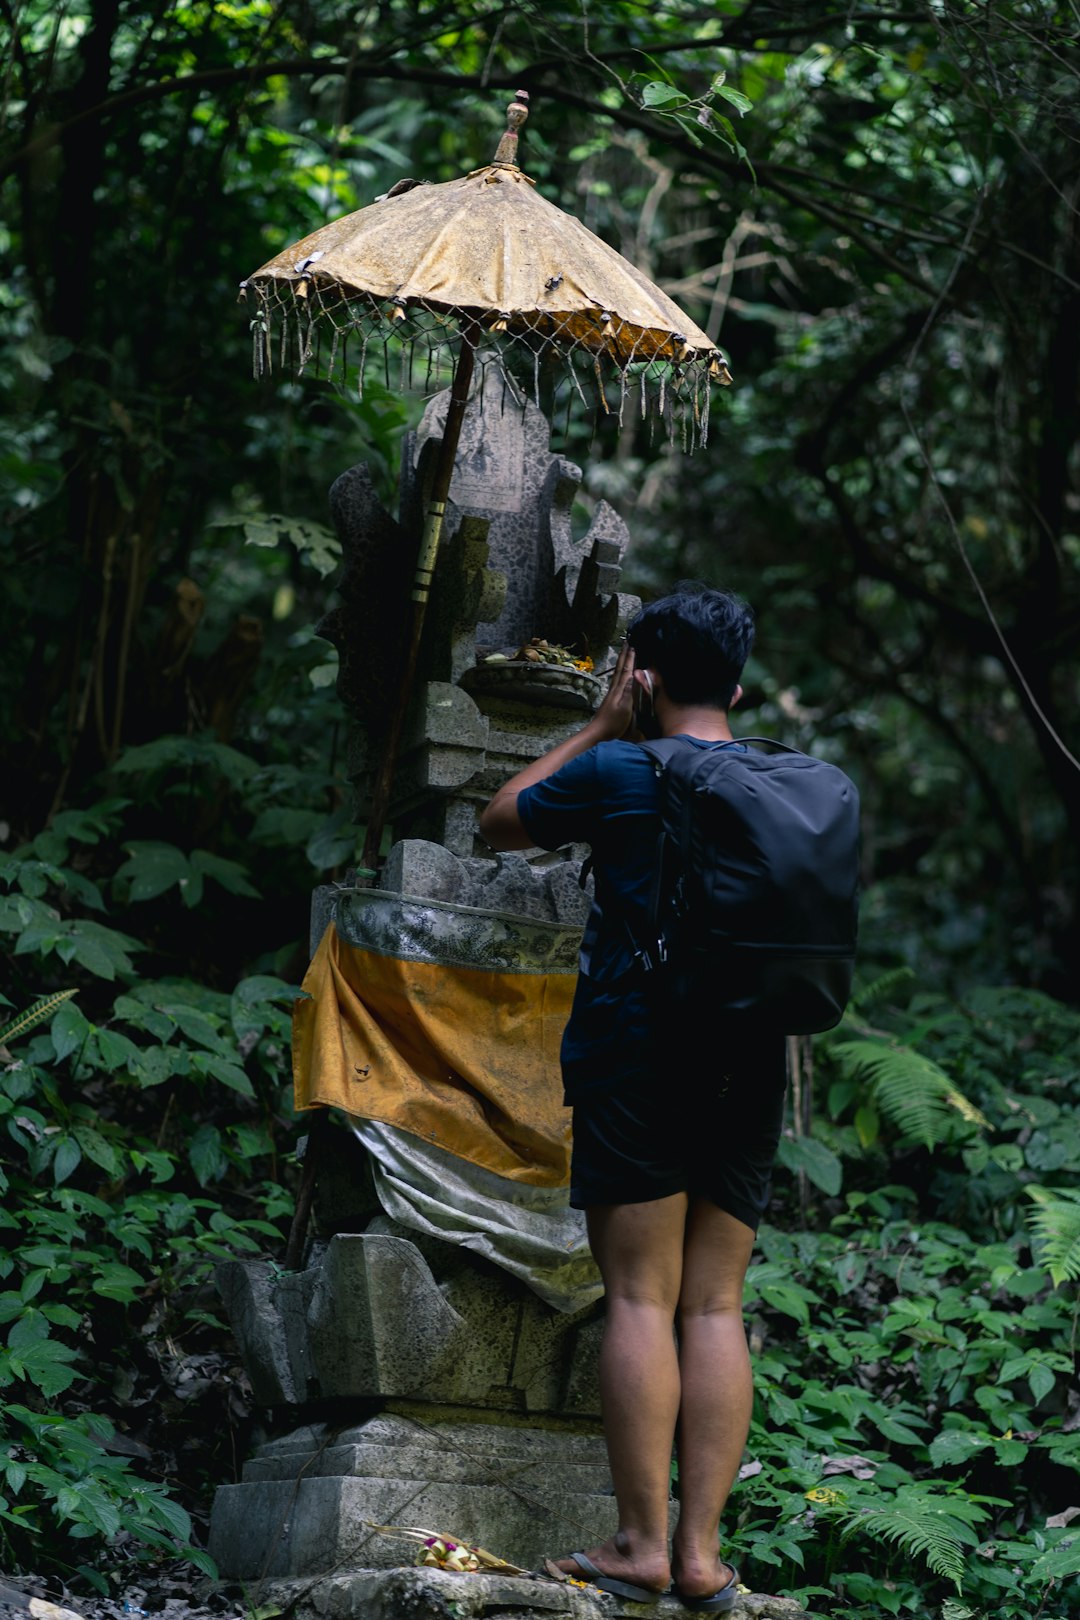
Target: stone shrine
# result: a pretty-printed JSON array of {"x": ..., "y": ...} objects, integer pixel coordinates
[
  {"x": 440, "y": 1370},
  {"x": 433, "y": 1362}
]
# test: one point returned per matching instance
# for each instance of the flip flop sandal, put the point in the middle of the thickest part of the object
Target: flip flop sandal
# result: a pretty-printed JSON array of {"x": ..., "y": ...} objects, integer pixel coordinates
[
  {"x": 719, "y": 1603},
  {"x": 610, "y": 1583}
]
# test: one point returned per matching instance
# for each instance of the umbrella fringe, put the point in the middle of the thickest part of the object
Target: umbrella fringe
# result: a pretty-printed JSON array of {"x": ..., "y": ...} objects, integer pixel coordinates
[
  {"x": 679, "y": 394},
  {"x": 600, "y": 391},
  {"x": 577, "y": 385},
  {"x": 566, "y": 423},
  {"x": 362, "y": 367}
]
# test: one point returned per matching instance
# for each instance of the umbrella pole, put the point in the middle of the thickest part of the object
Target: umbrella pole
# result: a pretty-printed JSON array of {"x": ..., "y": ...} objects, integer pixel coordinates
[{"x": 421, "y": 589}]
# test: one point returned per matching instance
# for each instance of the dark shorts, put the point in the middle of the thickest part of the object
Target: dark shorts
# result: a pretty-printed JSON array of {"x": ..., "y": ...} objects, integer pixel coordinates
[{"x": 711, "y": 1132}]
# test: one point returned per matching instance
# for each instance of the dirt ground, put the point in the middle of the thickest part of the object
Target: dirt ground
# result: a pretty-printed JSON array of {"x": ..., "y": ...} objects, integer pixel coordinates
[{"x": 178, "y": 1596}]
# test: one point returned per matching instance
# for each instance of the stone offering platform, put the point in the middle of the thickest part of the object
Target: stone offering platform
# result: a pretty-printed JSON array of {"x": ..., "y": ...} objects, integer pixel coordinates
[
  {"x": 308, "y": 1502},
  {"x": 433, "y": 1594}
]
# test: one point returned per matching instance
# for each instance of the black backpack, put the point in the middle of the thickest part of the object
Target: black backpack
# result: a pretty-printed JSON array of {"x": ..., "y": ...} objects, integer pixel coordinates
[{"x": 755, "y": 897}]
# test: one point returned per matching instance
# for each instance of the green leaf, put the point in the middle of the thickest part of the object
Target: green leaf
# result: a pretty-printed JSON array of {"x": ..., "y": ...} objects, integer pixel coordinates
[
  {"x": 957, "y": 1446},
  {"x": 201, "y": 1560},
  {"x": 66, "y": 1158},
  {"x": 1011, "y": 1453},
  {"x": 62, "y": 1316},
  {"x": 154, "y": 868},
  {"x": 32, "y": 1284},
  {"x": 285, "y": 826},
  {"x": 822, "y": 1166},
  {"x": 230, "y": 874},
  {"x": 788, "y": 1299},
  {"x": 315, "y": 543},
  {"x": 45, "y": 1364},
  {"x": 161, "y": 1166},
  {"x": 102, "y": 951},
  {"x": 185, "y": 754},
  {"x": 98, "y": 1149},
  {"x": 867, "y": 1125},
  {"x": 252, "y": 1141},
  {"x": 68, "y": 1030},
  {"x": 141, "y": 1015},
  {"x": 206, "y": 1155},
  {"x": 197, "y": 1026},
  {"x": 658, "y": 94},
  {"x": 901, "y": 1433},
  {"x": 334, "y": 842},
  {"x": 117, "y": 1051},
  {"x": 31, "y": 1328},
  {"x": 97, "y": 1510},
  {"x": 154, "y": 1065},
  {"x": 1059, "y": 1562},
  {"x": 230, "y": 1074},
  {"x": 170, "y": 1515},
  {"x": 736, "y": 97},
  {"x": 1041, "y": 1380},
  {"x": 116, "y": 1281},
  {"x": 258, "y": 987}
]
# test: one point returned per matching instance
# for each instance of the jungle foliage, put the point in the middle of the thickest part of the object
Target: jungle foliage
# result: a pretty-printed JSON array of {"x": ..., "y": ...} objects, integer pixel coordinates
[{"x": 875, "y": 212}]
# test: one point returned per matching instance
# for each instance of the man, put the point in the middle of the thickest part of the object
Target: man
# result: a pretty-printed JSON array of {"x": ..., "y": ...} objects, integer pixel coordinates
[{"x": 672, "y": 1152}]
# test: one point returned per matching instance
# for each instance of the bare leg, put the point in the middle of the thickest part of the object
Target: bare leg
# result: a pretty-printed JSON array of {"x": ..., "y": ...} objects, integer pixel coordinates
[
  {"x": 717, "y": 1390},
  {"x": 639, "y": 1249}
]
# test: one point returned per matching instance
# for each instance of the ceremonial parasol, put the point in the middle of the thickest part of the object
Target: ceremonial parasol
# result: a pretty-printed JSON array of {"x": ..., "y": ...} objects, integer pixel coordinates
[{"x": 483, "y": 261}]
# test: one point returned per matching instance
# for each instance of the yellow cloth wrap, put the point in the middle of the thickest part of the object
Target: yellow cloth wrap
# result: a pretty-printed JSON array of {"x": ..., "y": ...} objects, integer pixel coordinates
[{"x": 465, "y": 1058}]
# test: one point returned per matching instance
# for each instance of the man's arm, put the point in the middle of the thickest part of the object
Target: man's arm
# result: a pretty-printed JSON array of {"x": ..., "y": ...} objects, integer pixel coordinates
[{"x": 500, "y": 824}]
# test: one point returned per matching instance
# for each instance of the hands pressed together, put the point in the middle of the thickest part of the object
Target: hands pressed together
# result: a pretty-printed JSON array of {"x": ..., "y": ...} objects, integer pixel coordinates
[{"x": 615, "y": 717}]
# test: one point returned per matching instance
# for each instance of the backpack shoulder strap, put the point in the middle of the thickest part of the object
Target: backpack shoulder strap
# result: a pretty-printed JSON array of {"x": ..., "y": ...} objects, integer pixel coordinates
[
  {"x": 771, "y": 742},
  {"x": 664, "y": 749}
]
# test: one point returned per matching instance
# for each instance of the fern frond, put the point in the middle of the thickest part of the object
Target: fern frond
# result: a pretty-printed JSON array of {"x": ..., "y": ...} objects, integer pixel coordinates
[
  {"x": 35, "y": 1014},
  {"x": 882, "y": 986},
  {"x": 1056, "y": 1228},
  {"x": 919, "y": 1529},
  {"x": 909, "y": 1089}
]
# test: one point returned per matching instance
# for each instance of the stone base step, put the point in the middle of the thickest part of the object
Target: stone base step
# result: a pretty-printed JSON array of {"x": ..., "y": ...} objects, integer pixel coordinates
[{"x": 433, "y": 1594}]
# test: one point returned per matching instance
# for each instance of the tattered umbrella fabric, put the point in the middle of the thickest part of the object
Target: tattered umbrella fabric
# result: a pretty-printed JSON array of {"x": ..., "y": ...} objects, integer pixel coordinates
[{"x": 486, "y": 251}]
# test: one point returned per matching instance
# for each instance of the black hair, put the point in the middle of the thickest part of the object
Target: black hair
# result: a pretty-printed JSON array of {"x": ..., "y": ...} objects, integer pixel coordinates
[{"x": 698, "y": 639}]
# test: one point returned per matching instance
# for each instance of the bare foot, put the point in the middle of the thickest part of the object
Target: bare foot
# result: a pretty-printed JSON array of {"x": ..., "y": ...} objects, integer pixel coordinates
[{"x": 638, "y": 1566}]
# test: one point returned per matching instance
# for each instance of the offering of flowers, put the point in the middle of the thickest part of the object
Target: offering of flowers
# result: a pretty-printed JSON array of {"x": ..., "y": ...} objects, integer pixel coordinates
[
  {"x": 539, "y": 651},
  {"x": 448, "y": 1552}
]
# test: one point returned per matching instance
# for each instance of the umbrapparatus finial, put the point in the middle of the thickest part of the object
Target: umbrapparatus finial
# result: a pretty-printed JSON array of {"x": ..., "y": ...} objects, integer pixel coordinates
[{"x": 516, "y": 114}]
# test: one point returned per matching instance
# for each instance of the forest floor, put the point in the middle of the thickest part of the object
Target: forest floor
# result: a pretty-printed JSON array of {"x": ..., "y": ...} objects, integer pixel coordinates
[{"x": 178, "y": 1595}]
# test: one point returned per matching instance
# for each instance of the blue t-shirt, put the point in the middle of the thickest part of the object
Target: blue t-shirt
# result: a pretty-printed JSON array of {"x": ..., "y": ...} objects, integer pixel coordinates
[{"x": 608, "y": 799}]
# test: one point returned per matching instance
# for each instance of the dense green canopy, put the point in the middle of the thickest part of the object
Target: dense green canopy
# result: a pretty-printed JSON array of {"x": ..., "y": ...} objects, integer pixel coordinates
[{"x": 875, "y": 210}]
